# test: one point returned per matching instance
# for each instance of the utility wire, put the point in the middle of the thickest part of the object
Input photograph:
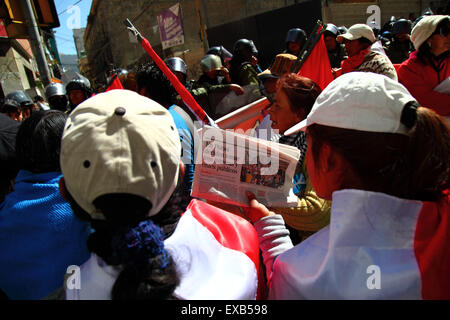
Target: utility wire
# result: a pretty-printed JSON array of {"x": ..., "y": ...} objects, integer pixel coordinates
[{"x": 70, "y": 7}]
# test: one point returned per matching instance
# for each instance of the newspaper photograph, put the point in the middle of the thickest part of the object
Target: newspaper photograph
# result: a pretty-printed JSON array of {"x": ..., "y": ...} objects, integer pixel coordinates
[{"x": 231, "y": 163}]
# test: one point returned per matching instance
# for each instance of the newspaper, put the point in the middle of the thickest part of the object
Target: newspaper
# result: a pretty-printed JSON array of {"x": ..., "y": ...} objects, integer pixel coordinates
[
  {"x": 443, "y": 87},
  {"x": 231, "y": 163}
]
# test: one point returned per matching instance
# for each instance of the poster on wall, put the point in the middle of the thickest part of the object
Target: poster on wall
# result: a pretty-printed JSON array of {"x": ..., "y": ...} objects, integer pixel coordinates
[{"x": 170, "y": 24}]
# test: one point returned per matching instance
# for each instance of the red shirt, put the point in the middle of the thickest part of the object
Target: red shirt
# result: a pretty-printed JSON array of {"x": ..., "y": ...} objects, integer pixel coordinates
[{"x": 420, "y": 79}]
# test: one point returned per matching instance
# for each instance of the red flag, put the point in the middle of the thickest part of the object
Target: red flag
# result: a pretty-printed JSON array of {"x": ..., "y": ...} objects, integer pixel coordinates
[
  {"x": 182, "y": 91},
  {"x": 115, "y": 84},
  {"x": 317, "y": 66}
]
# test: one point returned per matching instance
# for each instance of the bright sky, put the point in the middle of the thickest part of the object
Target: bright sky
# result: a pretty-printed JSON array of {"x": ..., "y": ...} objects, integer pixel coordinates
[{"x": 69, "y": 19}]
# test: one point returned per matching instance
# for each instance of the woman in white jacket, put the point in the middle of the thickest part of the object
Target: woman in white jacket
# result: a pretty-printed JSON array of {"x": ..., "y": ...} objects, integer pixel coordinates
[{"x": 384, "y": 161}]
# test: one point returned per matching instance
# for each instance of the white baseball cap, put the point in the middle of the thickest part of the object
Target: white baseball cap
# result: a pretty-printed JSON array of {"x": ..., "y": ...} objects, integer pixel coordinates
[
  {"x": 120, "y": 142},
  {"x": 358, "y": 31},
  {"x": 363, "y": 101},
  {"x": 425, "y": 28}
]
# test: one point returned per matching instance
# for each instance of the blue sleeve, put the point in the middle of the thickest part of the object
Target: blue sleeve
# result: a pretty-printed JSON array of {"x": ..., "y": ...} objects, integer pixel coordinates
[{"x": 187, "y": 149}]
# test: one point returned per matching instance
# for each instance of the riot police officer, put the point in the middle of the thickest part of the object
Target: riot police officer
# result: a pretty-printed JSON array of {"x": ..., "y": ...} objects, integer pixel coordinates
[
  {"x": 178, "y": 67},
  {"x": 26, "y": 104},
  {"x": 56, "y": 97},
  {"x": 223, "y": 53},
  {"x": 400, "y": 47},
  {"x": 336, "y": 51},
  {"x": 11, "y": 108},
  {"x": 78, "y": 90}
]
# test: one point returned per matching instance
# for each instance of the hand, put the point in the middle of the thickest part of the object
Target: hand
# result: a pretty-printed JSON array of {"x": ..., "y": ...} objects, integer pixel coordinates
[
  {"x": 254, "y": 61},
  {"x": 237, "y": 89},
  {"x": 225, "y": 72},
  {"x": 256, "y": 210}
]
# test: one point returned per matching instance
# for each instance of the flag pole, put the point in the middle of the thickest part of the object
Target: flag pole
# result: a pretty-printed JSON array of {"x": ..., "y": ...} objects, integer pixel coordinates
[
  {"x": 185, "y": 95},
  {"x": 307, "y": 47}
]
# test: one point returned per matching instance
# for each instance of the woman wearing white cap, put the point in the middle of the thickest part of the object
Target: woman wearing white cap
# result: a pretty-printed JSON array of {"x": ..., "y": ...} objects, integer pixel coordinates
[
  {"x": 384, "y": 162},
  {"x": 429, "y": 65}
]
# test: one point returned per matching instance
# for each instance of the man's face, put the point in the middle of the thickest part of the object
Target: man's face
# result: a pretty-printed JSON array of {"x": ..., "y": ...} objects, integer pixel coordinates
[
  {"x": 330, "y": 43},
  {"x": 77, "y": 96},
  {"x": 352, "y": 47},
  {"x": 293, "y": 48},
  {"x": 15, "y": 115},
  {"x": 58, "y": 102},
  {"x": 26, "y": 110},
  {"x": 213, "y": 74}
]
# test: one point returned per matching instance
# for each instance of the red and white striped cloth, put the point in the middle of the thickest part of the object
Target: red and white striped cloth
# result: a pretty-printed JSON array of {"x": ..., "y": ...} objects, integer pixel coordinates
[
  {"x": 216, "y": 253},
  {"x": 408, "y": 241}
]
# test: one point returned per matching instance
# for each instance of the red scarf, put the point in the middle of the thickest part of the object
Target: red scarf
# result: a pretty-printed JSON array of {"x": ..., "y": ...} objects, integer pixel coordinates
[{"x": 351, "y": 63}]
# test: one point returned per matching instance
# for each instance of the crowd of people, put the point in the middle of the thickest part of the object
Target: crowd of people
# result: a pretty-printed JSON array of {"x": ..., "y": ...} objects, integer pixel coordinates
[{"x": 103, "y": 181}]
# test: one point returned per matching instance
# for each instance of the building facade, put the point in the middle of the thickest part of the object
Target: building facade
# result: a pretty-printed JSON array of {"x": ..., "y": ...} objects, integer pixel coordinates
[
  {"x": 18, "y": 68},
  {"x": 109, "y": 45}
]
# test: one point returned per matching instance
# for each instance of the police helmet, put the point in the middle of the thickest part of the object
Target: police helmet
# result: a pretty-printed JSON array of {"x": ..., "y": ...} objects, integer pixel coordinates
[
  {"x": 220, "y": 51},
  {"x": 342, "y": 29},
  {"x": 244, "y": 48},
  {"x": 210, "y": 62},
  {"x": 54, "y": 89},
  {"x": 79, "y": 84},
  {"x": 20, "y": 96},
  {"x": 296, "y": 35},
  {"x": 10, "y": 105},
  {"x": 401, "y": 26},
  {"x": 177, "y": 64},
  {"x": 331, "y": 30}
]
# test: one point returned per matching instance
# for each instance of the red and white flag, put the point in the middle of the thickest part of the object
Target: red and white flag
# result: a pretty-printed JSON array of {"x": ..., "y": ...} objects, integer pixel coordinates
[
  {"x": 376, "y": 247},
  {"x": 216, "y": 254}
]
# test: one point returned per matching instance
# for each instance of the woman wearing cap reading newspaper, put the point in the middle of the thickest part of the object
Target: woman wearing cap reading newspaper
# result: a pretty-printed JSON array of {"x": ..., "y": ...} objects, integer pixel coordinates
[
  {"x": 384, "y": 162},
  {"x": 429, "y": 65},
  {"x": 293, "y": 101}
]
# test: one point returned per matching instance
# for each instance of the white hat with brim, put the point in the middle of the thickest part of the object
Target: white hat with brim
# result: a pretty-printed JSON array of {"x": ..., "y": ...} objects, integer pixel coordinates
[
  {"x": 425, "y": 28},
  {"x": 358, "y": 31},
  {"x": 361, "y": 101},
  {"x": 120, "y": 142}
]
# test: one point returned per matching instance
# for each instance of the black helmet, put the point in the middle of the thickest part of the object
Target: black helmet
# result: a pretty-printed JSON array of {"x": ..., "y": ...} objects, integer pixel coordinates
[
  {"x": 331, "y": 30},
  {"x": 244, "y": 48},
  {"x": 296, "y": 35},
  {"x": 177, "y": 64},
  {"x": 20, "y": 96},
  {"x": 220, "y": 51},
  {"x": 401, "y": 26},
  {"x": 79, "y": 84}
]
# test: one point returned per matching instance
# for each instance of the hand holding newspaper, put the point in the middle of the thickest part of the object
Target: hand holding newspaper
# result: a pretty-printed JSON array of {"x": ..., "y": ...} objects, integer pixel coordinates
[{"x": 229, "y": 164}]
